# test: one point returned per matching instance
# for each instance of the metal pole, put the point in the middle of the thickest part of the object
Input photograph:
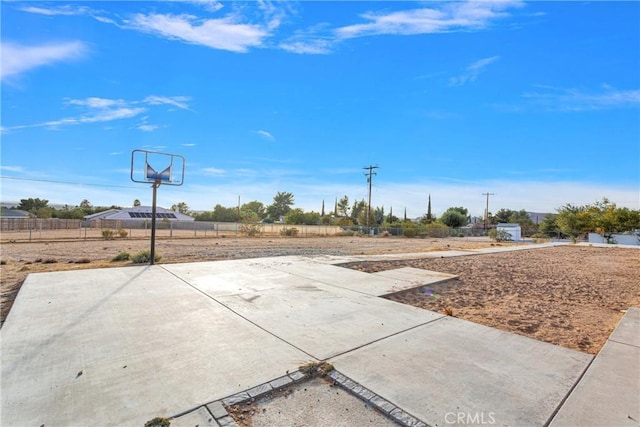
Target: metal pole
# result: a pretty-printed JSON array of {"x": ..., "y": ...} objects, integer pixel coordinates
[{"x": 153, "y": 223}]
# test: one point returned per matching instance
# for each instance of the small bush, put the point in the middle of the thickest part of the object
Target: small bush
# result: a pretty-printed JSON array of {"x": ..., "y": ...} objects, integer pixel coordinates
[
  {"x": 409, "y": 231},
  {"x": 251, "y": 229},
  {"x": 385, "y": 233},
  {"x": 144, "y": 257},
  {"x": 158, "y": 422},
  {"x": 122, "y": 233},
  {"x": 289, "y": 232},
  {"x": 122, "y": 256},
  {"x": 108, "y": 234},
  {"x": 82, "y": 261}
]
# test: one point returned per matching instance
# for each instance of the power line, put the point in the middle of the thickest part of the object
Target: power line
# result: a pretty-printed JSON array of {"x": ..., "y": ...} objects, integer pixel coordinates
[
  {"x": 369, "y": 176},
  {"x": 66, "y": 182}
]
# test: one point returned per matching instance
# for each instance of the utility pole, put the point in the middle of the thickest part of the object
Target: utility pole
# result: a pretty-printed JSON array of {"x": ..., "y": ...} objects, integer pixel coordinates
[
  {"x": 369, "y": 176},
  {"x": 486, "y": 211}
]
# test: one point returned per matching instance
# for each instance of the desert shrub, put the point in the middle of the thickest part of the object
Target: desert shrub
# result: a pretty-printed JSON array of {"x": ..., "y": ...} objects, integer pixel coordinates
[
  {"x": 289, "y": 232},
  {"x": 500, "y": 235},
  {"x": 385, "y": 233},
  {"x": 122, "y": 256},
  {"x": 143, "y": 257},
  {"x": 409, "y": 230},
  {"x": 251, "y": 229},
  {"x": 122, "y": 233},
  {"x": 158, "y": 422},
  {"x": 82, "y": 261},
  {"x": 435, "y": 229},
  {"x": 108, "y": 234}
]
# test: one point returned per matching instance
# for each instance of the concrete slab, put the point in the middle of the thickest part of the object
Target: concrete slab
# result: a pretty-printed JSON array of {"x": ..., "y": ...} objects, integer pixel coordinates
[
  {"x": 628, "y": 330},
  {"x": 122, "y": 346},
  {"x": 323, "y": 320},
  {"x": 609, "y": 392},
  {"x": 200, "y": 417},
  {"x": 454, "y": 371},
  {"x": 414, "y": 277},
  {"x": 331, "y": 275}
]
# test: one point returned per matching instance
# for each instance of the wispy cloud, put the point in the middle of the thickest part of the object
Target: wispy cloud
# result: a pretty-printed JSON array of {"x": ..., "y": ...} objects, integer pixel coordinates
[
  {"x": 558, "y": 99},
  {"x": 189, "y": 145},
  {"x": 18, "y": 59},
  {"x": 221, "y": 33},
  {"x": 95, "y": 110},
  {"x": 177, "y": 101},
  {"x": 57, "y": 10},
  {"x": 449, "y": 17},
  {"x": 471, "y": 73},
  {"x": 12, "y": 168},
  {"x": 265, "y": 135},
  {"x": 147, "y": 127},
  {"x": 213, "y": 171}
]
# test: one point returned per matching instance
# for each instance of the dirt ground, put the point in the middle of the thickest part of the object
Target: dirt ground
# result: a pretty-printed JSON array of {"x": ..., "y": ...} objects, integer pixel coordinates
[{"x": 572, "y": 296}]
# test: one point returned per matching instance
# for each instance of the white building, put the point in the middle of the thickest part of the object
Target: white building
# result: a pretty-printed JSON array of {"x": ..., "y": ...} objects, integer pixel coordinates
[
  {"x": 514, "y": 230},
  {"x": 141, "y": 213}
]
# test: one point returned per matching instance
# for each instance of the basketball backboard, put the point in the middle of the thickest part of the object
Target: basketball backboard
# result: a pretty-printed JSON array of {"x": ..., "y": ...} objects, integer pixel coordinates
[{"x": 157, "y": 168}]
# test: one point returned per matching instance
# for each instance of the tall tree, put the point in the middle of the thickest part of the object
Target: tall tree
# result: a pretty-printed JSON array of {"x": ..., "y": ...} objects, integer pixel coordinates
[
  {"x": 281, "y": 205},
  {"x": 343, "y": 206},
  {"x": 181, "y": 207},
  {"x": 32, "y": 205},
  {"x": 322, "y": 211},
  {"x": 429, "y": 215}
]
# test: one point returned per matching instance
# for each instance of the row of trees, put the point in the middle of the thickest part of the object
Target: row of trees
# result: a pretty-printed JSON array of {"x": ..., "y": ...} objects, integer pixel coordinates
[{"x": 603, "y": 217}]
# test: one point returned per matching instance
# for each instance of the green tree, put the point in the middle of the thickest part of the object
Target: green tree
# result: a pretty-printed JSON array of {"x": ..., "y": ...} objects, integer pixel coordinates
[
  {"x": 549, "y": 227},
  {"x": 222, "y": 214},
  {"x": 32, "y": 205},
  {"x": 281, "y": 205},
  {"x": 343, "y": 206},
  {"x": 357, "y": 212},
  {"x": 181, "y": 207},
  {"x": 573, "y": 221},
  {"x": 256, "y": 207},
  {"x": 428, "y": 218},
  {"x": 136, "y": 203},
  {"x": 454, "y": 217},
  {"x": 44, "y": 212}
]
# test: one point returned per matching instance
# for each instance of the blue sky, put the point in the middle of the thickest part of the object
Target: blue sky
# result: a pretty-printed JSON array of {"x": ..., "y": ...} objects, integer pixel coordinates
[{"x": 536, "y": 102}]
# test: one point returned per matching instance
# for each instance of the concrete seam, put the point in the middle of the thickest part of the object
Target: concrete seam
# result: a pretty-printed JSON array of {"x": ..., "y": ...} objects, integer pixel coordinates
[
  {"x": 387, "y": 336},
  {"x": 623, "y": 343},
  {"x": 569, "y": 393}
]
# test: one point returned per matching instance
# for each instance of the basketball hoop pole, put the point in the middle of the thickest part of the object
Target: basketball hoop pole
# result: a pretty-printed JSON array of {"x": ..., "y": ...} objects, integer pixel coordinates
[{"x": 155, "y": 186}]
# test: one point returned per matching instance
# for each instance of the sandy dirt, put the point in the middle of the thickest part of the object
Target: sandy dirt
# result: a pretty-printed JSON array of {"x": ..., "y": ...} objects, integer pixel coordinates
[{"x": 571, "y": 296}]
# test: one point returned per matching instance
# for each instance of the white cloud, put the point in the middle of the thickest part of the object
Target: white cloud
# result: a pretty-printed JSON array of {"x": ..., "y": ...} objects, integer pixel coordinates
[
  {"x": 59, "y": 10},
  {"x": 472, "y": 71},
  {"x": 18, "y": 59},
  {"x": 265, "y": 135},
  {"x": 95, "y": 109},
  {"x": 209, "y": 5},
  {"x": 453, "y": 16},
  {"x": 147, "y": 127},
  {"x": 189, "y": 145},
  {"x": 222, "y": 33},
  {"x": 12, "y": 168},
  {"x": 176, "y": 101},
  {"x": 213, "y": 171},
  {"x": 558, "y": 99},
  {"x": 309, "y": 46}
]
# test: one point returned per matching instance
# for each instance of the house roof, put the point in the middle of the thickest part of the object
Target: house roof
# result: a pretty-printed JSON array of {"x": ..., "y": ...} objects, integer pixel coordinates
[
  {"x": 139, "y": 213},
  {"x": 13, "y": 213}
]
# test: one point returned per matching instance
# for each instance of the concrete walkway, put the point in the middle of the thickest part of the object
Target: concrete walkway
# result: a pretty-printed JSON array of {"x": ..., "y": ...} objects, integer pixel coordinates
[{"x": 121, "y": 346}]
